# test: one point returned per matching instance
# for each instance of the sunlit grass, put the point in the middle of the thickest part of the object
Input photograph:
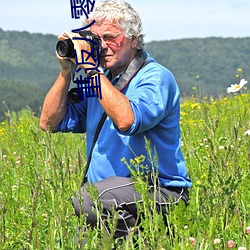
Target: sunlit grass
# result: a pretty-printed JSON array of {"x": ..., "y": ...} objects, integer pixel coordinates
[{"x": 40, "y": 172}]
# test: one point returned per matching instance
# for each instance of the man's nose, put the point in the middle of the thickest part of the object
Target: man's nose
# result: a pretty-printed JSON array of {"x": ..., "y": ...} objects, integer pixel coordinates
[{"x": 104, "y": 44}]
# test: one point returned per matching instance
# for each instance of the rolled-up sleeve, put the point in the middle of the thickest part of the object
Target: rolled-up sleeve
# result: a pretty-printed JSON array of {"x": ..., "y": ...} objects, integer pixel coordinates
[{"x": 75, "y": 118}]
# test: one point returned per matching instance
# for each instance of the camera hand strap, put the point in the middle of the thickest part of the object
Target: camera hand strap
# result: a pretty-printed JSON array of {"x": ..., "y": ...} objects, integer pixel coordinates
[{"x": 137, "y": 63}]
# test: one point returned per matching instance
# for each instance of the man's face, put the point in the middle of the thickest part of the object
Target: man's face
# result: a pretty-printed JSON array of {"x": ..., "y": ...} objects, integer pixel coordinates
[{"x": 117, "y": 50}]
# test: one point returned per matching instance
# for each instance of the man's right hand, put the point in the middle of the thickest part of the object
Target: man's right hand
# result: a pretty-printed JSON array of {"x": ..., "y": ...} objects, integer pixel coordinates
[{"x": 66, "y": 63}]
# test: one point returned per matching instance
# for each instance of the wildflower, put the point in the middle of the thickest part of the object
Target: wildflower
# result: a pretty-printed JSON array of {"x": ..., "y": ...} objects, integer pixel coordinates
[
  {"x": 45, "y": 216},
  {"x": 248, "y": 230},
  {"x": 192, "y": 240},
  {"x": 240, "y": 70},
  {"x": 247, "y": 133},
  {"x": 198, "y": 182},
  {"x": 230, "y": 244},
  {"x": 138, "y": 159},
  {"x": 132, "y": 162},
  {"x": 14, "y": 188},
  {"x": 216, "y": 241},
  {"x": 242, "y": 248},
  {"x": 123, "y": 159},
  {"x": 71, "y": 167},
  {"x": 237, "y": 87},
  {"x": 221, "y": 147},
  {"x": 195, "y": 106}
]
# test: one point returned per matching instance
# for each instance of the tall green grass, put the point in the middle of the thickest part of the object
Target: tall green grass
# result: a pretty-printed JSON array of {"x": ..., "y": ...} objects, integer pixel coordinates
[{"x": 40, "y": 172}]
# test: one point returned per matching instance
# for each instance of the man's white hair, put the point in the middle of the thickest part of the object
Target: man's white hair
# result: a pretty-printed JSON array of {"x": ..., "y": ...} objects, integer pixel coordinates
[{"x": 119, "y": 13}]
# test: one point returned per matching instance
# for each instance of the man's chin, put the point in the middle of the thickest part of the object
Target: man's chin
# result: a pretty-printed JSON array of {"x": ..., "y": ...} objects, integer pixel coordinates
[{"x": 107, "y": 65}]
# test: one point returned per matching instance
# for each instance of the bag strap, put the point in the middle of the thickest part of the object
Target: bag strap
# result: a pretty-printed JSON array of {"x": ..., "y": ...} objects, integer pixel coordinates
[
  {"x": 136, "y": 64},
  {"x": 97, "y": 132}
]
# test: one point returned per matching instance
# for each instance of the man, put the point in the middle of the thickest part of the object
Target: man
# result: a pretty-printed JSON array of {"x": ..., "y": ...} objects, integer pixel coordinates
[{"x": 141, "y": 100}]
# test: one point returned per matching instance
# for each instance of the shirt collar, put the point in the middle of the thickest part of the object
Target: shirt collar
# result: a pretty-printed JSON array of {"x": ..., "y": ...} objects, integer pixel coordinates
[{"x": 115, "y": 80}]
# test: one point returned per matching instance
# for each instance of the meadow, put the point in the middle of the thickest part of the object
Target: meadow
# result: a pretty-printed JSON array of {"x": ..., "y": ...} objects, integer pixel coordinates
[{"x": 40, "y": 172}]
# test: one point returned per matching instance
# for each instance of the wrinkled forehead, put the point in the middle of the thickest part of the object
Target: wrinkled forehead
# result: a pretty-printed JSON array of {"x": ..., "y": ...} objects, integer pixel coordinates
[{"x": 105, "y": 27}]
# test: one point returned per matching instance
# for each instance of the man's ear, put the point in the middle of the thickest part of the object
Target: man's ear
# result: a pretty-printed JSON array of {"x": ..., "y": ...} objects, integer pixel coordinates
[{"x": 134, "y": 42}]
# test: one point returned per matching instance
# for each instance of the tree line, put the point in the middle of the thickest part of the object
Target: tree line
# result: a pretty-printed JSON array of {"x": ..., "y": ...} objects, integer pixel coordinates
[{"x": 202, "y": 67}]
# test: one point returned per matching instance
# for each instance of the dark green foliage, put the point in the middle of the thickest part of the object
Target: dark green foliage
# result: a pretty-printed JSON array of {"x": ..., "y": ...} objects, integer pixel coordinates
[
  {"x": 28, "y": 68},
  {"x": 17, "y": 95},
  {"x": 214, "y": 60},
  {"x": 28, "y": 57}
]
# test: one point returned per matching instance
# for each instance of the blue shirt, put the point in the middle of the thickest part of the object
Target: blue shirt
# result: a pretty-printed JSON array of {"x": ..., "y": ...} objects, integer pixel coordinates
[{"x": 154, "y": 97}]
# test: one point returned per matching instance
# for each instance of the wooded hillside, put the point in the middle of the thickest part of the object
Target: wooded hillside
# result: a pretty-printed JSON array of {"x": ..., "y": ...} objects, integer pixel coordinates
[{"x": 28, "y": 66}]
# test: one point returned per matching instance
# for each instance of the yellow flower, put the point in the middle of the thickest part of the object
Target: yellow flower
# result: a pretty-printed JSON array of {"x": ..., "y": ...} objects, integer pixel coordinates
[
  {"x": 138, "y": 160},
  {"x": 183, "y": 113},
  {"x": 240, "y": 70},
  {"x": 132, "y": 162},
  {"x": 195, "y": 105}
]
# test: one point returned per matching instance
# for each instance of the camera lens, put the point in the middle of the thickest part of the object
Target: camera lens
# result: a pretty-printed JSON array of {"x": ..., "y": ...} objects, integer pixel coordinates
[{"x": 65, "y": 48}]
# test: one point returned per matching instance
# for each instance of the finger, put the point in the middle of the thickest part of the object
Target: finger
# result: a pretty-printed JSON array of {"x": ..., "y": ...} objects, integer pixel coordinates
[
  {"x": 70, "y": 34},
  {"x": 59, "y": 57},
  {"x": 64, "y": 35},
  {"x": 65, "y": 58}
]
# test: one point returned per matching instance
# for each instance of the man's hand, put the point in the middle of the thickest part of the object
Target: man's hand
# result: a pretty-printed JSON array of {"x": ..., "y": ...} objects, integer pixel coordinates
[
  {"x": 80, "y": 46},
  {"x": 66, "y": 63}
]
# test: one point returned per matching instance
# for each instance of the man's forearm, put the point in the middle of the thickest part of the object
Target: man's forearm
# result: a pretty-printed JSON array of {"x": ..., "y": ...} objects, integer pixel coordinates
[
  {"x": 55, "y": 103},
  {"x": 116, "y": 105}
]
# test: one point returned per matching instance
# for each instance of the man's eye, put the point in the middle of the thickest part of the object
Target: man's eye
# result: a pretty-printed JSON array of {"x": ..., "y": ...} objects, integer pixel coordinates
[{"x": 108, "y": 38}]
